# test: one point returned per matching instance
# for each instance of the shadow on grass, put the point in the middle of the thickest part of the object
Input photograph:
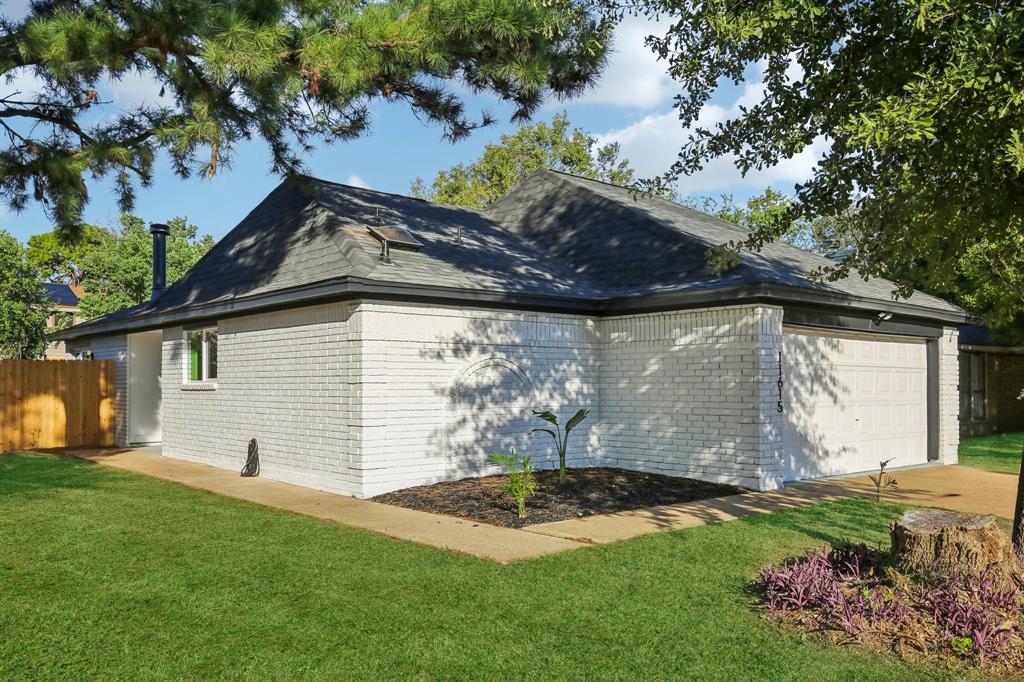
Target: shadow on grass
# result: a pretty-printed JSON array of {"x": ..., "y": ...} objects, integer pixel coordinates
[
  {"x": 837, "y": 522},
  {"x": 37, "y": 472}
]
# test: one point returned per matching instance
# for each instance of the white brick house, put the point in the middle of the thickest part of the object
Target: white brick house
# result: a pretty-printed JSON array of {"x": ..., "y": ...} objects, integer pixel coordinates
[{"x": 363, "y": 364}]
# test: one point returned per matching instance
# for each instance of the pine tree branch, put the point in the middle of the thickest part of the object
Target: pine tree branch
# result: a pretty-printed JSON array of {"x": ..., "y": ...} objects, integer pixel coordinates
[{"x": 61, "y": 122}]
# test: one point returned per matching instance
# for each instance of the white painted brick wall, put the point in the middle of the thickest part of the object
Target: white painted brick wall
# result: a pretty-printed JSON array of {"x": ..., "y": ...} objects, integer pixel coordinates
[
  {"x": 283, "y": 378},
  {"x": 365, "y": 398},
  {"x": 413, "y": 357},
  {"x": 949, "y": 396},
  {"x": 114, "y": 348},
  {"x": 691, "y": 393}
]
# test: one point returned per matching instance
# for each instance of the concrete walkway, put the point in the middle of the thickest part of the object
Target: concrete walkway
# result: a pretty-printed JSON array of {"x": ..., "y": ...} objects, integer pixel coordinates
[
  {"x": 959, "y": 488},
  {"x": 504, "y": 545}
]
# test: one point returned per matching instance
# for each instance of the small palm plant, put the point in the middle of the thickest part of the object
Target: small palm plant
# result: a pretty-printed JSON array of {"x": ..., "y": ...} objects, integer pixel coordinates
[
  {"x": 521, "y": 483},
  {"x": 882, "y": 481},
  {"x": 561, "y": 438}
]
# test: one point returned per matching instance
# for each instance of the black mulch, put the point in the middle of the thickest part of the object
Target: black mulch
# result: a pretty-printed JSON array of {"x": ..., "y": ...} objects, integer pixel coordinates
[{"x": 589, "y": 491}]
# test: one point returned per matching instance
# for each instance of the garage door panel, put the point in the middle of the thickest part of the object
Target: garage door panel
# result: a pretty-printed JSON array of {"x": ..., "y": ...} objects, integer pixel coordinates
[
  {"x": 884, "y": 353},
  {"x": 865, "y": 384},
  {"x": 852, "y": 402},
  {"x": 886, "y": 417}
]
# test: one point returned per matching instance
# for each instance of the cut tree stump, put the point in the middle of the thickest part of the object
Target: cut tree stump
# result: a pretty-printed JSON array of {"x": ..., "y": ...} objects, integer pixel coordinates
[{"x": 932, "y": 541}]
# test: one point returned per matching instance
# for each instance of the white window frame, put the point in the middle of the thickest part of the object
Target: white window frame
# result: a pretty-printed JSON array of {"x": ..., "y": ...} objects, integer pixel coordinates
[{"x": 204, "y": 381}]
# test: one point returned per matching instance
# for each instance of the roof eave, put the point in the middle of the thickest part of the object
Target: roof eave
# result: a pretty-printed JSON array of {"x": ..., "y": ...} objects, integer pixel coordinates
[{"x": 349, "y": 288}]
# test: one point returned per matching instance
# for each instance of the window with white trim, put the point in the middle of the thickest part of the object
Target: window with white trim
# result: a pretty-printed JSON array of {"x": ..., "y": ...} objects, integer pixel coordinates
[{"x": 202, "y": 354}]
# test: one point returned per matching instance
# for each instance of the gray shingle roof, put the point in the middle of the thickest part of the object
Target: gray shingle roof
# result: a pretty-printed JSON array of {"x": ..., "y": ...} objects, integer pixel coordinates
[
  {"x": 294, "y": 237},
  {"x": 632, "y": 244},
  {"x": 555, "y": 236}
]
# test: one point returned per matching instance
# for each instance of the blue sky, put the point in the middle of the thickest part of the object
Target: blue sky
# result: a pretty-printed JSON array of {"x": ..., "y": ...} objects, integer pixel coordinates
[{"x": 631, "y": 104}]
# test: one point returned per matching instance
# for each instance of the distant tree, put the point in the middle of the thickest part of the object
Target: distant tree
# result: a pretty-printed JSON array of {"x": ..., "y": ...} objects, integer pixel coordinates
[
  {"x": 773, "y": 211},
  {"x": 121, "y": 271},
  {"x": 60, "y": 259},
  {"x": 555, "y": 146},
  {"x": 294, "y": 73},
  {"x": 24, "y": 307}
]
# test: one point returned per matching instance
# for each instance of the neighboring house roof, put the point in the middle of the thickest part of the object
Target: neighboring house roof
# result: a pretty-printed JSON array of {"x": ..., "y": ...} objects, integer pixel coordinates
[
  {"x": 976, "y": 335},
  {"x": 979, "y": 336},
  {"x": 63, "y": 294},
  {"x": 556, "y": 242}
]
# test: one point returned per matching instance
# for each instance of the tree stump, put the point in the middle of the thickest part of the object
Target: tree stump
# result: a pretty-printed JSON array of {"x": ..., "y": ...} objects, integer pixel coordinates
[{"x": 932, "y": 541}]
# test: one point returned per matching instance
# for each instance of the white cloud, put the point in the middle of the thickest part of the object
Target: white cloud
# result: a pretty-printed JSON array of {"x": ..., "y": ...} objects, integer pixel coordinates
[
  {"x": 21, "y": 81},
  {"x": 652, "y": 145},
  {"x": 356, "y": 181},
  {"x": 133, "y": 89},
  {"x": 634, "y": 77}
]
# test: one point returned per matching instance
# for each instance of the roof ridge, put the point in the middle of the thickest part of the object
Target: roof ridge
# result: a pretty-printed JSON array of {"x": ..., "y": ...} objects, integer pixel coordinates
[
  {"x": 576, "y": 176},
  {"x": 655, "y": 219},
  {"x": 371, "y": 190},
  {"x": 642, "y": 194},
  {"x": 334, "y": 234}
]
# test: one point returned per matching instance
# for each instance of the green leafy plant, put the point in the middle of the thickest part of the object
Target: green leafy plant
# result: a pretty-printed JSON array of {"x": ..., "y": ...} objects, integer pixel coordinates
[
  {"x": 556, "y": 145},
  {"x": 560, "y": 437},
  {"x": 962, "y": 646},
  {"x": 521, "y": 482},
  {"x": 882, "y": 481}
]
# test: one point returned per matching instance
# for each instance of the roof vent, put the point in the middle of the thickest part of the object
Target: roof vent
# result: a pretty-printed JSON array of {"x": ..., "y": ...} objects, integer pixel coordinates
[{"x": 393, "y": 236}]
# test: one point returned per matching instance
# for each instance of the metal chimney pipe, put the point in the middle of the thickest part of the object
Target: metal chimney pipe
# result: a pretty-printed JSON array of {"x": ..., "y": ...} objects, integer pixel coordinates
[{"x": 159, "y": 232}]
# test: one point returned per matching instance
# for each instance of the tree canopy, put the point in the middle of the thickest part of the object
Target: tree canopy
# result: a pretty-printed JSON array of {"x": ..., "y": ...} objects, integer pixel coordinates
[
  {"x": 292, "y": 73},
  {"x": 24, "y": 307},
  {"x": 555, "y": 145},
  {"x": 120, "y": 269},
  {"x": 920, "y": 104},
  {"x": 60, "y": 259}
]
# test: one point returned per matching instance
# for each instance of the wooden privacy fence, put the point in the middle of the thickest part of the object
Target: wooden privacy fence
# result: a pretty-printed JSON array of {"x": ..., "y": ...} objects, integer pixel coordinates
[{"x": 56, "y": 404}]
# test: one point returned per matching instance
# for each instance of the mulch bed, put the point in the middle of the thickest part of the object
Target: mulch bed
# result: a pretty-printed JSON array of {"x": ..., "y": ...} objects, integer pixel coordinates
[{"x": 588, "y": 491}]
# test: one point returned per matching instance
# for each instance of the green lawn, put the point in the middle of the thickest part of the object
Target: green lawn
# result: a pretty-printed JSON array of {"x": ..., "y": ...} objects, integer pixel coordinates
[
  {"x": 1001, "y": 452},
  {"x": 105, "y": 574}
]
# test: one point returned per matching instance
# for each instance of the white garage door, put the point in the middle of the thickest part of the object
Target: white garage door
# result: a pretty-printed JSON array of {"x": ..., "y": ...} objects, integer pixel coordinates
[{"x": 852, "y": 402}]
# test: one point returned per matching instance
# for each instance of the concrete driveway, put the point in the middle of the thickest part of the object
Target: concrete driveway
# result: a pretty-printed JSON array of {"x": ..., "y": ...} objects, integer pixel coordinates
[{"x": 964, "y": 489}]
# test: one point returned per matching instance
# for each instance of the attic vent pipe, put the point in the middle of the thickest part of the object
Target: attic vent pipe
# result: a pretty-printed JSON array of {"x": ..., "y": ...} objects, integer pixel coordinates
[{"x": 159, "y": 232}]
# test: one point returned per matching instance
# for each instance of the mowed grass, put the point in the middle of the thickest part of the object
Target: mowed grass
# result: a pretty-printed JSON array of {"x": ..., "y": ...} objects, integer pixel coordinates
[
  {"x": 105, "y": 574},
  {"x": 999, "y": 452}
]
